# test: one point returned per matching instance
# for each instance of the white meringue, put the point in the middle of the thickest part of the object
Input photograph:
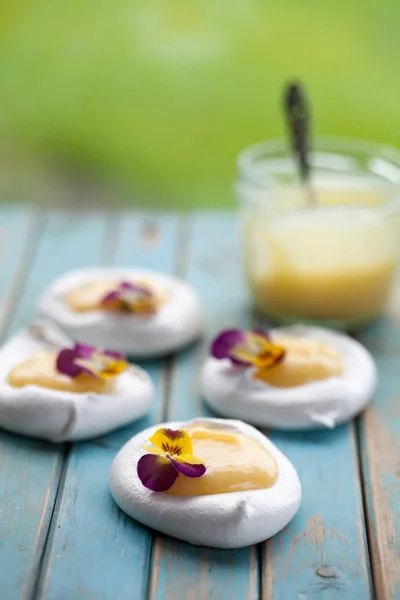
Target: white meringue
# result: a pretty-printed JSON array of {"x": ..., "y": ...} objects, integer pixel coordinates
[
  {"x": 178, "y": 321},
  {"x": 229, "y": 520},
  {"x": 59, "y": 416},
  {"x": 233, "y": 392}
]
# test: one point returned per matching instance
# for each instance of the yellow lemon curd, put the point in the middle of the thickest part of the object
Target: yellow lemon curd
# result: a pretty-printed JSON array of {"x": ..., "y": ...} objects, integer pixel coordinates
[
  {"x": 306, "y": 360},
  {"x": 40, "y": 369},
  {"x": 88, "y": 296},
  {"x": 327, "y": 263},
  {"x": 234, "y": 463}
]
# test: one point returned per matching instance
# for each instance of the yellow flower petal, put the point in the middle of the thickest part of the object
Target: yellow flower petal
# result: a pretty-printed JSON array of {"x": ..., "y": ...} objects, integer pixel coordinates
[
  {"x": 152, "y": 450},
  {"x": 190, "y": 459},
  {"x": 112, "y": 369},
  {"x": 172, "y": 441},
  {"x": 258, "y": 351}
]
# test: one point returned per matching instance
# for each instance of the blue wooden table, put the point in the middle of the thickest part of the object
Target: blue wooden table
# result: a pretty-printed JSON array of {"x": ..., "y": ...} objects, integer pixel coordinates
[{"x": 61, "y": 535}]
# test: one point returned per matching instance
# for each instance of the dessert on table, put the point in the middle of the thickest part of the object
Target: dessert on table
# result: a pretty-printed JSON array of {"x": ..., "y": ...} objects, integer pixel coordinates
[
  {"x": 138, "y": 312},
  {"x": 291, "y": 378},
  {"x": 54, "y": 389},
  {"x": 211, "y": 482}
]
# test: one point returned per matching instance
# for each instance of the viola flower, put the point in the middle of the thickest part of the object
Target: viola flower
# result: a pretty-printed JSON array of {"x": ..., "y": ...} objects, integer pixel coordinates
[
  {"x": 171, "y": 455},
  {"x": 100, "y": 364},
  {"x": 247, "y": 348},
  {"x": 131, "y": 298}
]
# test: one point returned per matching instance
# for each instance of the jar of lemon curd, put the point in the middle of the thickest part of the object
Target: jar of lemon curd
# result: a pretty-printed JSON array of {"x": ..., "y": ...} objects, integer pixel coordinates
[{"x": 330, "y": 257}]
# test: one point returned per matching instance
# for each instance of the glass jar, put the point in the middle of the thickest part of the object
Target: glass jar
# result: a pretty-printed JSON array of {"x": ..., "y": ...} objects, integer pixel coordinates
[{"x": 328, "y": 257}]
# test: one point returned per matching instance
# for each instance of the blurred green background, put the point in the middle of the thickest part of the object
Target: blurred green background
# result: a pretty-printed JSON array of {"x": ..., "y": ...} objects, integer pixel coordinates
[{"x": 149, "y": 101}]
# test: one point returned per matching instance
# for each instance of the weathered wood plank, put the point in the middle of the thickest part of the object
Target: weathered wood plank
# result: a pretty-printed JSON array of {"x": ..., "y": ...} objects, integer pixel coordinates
[
  {"x": 379, "y": 431},
  {"x": 15, "y": 227},
  {"x": 69, "y": 240},
  {"x": 322, "y": 552},
  {"x": 324, "y": 549},
  {"x": 95, "y": 552},
  {"x": 30, "y": 469},
  {"x": 180, "y": 571}
]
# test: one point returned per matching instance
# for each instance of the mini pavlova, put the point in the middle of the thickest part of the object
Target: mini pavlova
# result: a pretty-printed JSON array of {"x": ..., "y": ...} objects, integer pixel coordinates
[
  {"x": 138, "y": 312},
  {"x": 54, "y": 389},
  {"x": 290, "y": 378},
  {"x": 209, "y": 482}
]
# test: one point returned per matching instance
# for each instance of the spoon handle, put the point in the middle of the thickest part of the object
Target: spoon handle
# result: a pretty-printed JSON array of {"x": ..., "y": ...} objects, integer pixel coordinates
[{"x": 298, "y": 119}]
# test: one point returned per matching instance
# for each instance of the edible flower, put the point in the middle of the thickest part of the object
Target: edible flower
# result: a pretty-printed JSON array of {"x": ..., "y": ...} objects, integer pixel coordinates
[
  {"x": 100, "y": 364},
  {"x": 171, "y": 455},
  {"x": 130, "y": 297},
  {"x": 247, "y": 348}
]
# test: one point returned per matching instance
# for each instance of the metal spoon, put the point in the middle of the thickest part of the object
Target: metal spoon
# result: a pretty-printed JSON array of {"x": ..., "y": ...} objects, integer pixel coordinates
[{"x": 298, "y": 120}]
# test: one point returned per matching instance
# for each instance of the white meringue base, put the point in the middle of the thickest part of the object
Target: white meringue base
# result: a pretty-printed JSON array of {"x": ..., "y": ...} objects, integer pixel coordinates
[
  {"x": 230, "y": 520},
  {"x": 60, "y": 416},
  {"x": 178, "y": 321},
  {"x": 233, "y": 392}
]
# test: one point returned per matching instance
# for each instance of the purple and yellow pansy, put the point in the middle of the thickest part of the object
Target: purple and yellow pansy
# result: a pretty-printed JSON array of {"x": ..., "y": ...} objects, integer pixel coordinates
[
  {"x": 169, "y": 456},
  {"x": 100, "y": 364},
  {"x": 131, "y": 298},
  {"x": 247, "y": 348}
]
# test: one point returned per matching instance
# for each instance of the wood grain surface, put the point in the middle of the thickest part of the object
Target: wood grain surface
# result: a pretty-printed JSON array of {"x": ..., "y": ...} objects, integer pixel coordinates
[
  {"x": 61, "y": 535},
  {"x": 379, "y": 442}
]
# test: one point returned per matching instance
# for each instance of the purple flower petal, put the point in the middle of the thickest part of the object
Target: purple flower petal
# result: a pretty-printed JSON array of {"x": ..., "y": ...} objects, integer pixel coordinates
[
  {"x": 116, "y": 355},
  {"x": 83, "y": 351},
  {"x": 114, "y": 295},
  {"x": 119, "y": 292},
  {"x": 239, "y": 362},
  {"x": 65, "y": 363},
  {"x": 156, "y": 472},
  {"x": 68, "y": 360},
  {"x": 125, "y": 285},
  {"x": 222, "y": 346},
  {"x": 188, "y": 469}
]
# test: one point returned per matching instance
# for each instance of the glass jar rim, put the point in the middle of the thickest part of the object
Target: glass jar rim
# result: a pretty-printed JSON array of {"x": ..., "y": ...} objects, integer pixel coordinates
[{"x": 389, "y": 157}]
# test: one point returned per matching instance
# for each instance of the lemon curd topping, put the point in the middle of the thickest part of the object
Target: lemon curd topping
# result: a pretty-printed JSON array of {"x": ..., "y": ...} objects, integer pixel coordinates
[
  {"x": 40, "y": 369},
  {"x": 234, "y": 463},
  {"x": 306, "y": 360},
  {"x": 89, "y": 296}
]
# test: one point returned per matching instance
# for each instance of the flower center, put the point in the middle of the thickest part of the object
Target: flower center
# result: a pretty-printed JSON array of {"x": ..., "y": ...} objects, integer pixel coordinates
[
  {"x": 258, "y": 351},
  {"x": 171, "y": 450}
]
